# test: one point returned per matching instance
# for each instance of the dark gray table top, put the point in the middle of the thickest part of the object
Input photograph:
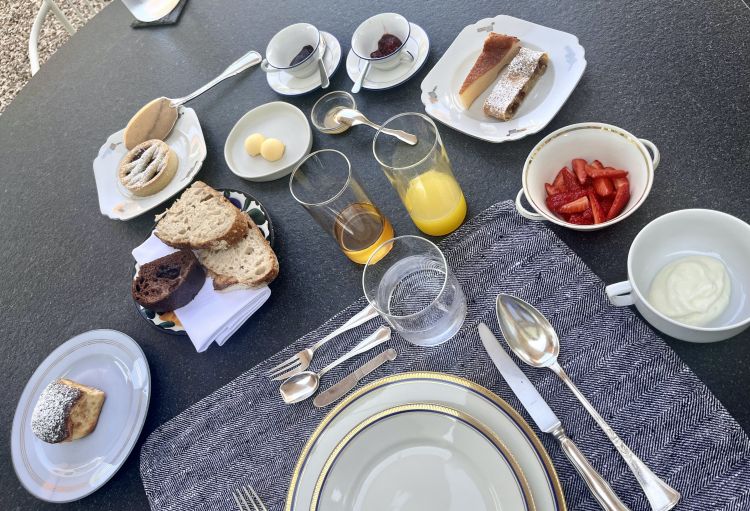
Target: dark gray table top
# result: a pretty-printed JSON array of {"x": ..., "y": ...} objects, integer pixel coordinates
[{"x": 675, "y": 73}]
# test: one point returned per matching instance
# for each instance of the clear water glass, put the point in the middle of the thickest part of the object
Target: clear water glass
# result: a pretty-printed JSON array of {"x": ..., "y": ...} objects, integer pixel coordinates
[{"x": 408, "y": 281}]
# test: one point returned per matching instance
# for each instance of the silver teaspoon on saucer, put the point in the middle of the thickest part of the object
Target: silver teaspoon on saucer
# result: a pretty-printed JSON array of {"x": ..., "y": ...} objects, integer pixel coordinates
[
  {"x": 533, "y": 340},
  {"x": 157, "y": 117}
]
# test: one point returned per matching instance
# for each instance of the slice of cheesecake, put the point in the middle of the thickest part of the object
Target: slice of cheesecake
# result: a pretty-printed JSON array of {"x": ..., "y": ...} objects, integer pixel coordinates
[{"x": 498, "y": 50}]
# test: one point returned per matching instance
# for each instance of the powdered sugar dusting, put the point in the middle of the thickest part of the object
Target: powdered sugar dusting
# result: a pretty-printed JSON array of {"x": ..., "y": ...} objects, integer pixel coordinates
[
  {"x": 49, "y": 418},
  {"x": 512, "y": 80},
  {"x": 146, "y": 166}
]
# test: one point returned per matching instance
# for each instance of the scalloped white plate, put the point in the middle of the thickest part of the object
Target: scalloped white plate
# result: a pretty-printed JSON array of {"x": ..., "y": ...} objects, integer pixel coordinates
[
  {"x": 115, "y": 201},
  {"x": 440, "y": 86}
]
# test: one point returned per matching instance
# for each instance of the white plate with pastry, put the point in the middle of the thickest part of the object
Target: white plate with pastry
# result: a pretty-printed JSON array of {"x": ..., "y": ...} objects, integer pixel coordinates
[
  {"x": 511, "y": 91},
  {"x": 130, "y": 183},
  {"x": 268, "y": 142},
  {"x": 65, "y": 443}
]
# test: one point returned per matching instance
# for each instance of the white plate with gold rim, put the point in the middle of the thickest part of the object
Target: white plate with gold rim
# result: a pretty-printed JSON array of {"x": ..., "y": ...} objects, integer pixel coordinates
[
  {"x": 417, "y": 457},
  {"x": 427, "y": 387},
  {"x": 441, "y": 85},
  {"x": 115, "y": 201},
  {"x": 108, "y": 360}
]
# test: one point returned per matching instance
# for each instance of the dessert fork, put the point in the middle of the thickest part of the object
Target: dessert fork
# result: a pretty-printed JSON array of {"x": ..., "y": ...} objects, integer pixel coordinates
[
  {"x": 245, "y": 497},
  {"x": 301, "y": 361}
]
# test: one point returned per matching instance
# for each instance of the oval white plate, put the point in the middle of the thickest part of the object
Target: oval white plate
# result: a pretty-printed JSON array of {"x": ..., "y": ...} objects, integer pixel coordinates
[
  {"x": 288, "y": 85},
  {"x": 115, "y": 201},
  {"x": 418, "y": 457},
  {"x": 440, "y": 86},
  {"x": 108, "y": 360},
  {"x": 277, "y": 119},
  {"x": 377, "y": 79},
  {"x": 427, "y": 387}
]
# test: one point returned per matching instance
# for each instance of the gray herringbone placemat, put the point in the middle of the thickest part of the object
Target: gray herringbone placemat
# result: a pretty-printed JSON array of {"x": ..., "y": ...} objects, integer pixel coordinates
[{"x": 244, "y": 434}]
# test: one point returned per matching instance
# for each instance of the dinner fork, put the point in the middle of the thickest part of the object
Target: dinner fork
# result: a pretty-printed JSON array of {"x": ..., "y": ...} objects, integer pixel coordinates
[
  {"x": 301, "y": 361},
  {"x": 245, "y": 497}
]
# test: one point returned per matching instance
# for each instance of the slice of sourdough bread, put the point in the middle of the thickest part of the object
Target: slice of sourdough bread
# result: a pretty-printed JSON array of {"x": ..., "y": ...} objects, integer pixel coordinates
[
  {"x": 249, "y": 263},
  {"x": 201, "y": 218}
]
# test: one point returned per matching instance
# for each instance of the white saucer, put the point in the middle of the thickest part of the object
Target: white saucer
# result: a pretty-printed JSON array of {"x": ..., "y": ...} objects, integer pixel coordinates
[
  {"x": 108, "y": 360},
  {"x": 418, "y": 45},
  {"x": 288, "y": 85},
  {"x": 277, "y": 119},
  {"x": 115, "y": 201}
]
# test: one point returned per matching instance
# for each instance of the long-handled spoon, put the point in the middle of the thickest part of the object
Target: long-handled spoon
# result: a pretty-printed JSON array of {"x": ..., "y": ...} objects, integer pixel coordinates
[
  {"x": 157, "y": 118},
  {"x": 361, "y": 78},
  {"x": 303, "y": 385},
  {"x": 533, "y": 339},
  {"x": 352, "y": 117},
  {"x": 324, "y": 82}
]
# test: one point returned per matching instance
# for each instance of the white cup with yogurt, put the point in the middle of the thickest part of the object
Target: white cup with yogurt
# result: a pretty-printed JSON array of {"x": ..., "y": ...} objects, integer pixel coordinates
[{"x": 682, "y": 238}]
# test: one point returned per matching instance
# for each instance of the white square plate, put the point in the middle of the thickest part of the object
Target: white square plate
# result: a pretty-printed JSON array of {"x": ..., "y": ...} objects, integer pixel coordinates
[
  {"x": 440, "y": 86},
  {"x": 115, "y": 201}
]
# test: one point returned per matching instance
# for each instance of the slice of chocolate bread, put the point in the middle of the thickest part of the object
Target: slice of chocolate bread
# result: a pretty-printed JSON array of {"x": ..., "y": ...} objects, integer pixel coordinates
[{"x": 169, "y": 282}]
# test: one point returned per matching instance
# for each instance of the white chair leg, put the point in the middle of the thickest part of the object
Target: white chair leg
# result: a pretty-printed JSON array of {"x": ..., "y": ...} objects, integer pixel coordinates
[
  {"x": 63, "y": 19},
  {"x": 34, "y": 37}
]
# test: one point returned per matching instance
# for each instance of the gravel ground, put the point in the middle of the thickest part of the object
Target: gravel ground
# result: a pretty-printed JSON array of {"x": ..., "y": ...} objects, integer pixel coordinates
[{"x": 16, "y": 19}]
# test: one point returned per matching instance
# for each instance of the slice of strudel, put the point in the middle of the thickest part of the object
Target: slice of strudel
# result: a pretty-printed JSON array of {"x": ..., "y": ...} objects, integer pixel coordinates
[
  {"x": 514, "y": 83},
  {"x": 497, "y": 51}
]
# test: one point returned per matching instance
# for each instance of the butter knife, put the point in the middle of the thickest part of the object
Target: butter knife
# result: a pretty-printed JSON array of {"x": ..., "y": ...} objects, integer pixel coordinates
[
  {"x": 547, "y": 421},
  {"x": 336, "y": 391}
]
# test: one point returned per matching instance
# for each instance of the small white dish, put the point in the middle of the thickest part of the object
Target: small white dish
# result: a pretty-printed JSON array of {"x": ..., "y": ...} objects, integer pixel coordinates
[
  {"x": 287, "y": 84},
  {"x": 285, "y": 46},
  {"x": 441, "y": 85},
  {"x": 613, "y": 146},
  {"x": 689, "y": 232},
  {"x": 115, "y": 201},
  {"x": 418, "y": 46},
  {"x": 367, "y": 35},
  {"x": 277, "y": 119},
  {"x": 108, "y": 360},
  {"x": 425, "y": 455}
]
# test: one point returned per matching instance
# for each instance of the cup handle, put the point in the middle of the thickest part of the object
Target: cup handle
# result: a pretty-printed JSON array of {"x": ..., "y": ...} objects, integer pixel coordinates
[
  {"x": 620, "y": 294},
  {"x": 525, "y": 212},
  {"x": 656, "y": 156},
  {"x": 406, "y": 56},
  {"x": 266, "y": 67}
]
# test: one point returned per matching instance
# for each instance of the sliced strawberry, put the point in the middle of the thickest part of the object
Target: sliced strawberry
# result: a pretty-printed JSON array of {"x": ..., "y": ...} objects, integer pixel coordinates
[
  {"x": 606, "y": 172},
  {"x": 577, "y": 206},
  {"x": 550, "y": 189},
  {"x": 571, "y": 183},
  {"x": 596, "y": 209},
  {"x": 619, "y": 181},
  {"x": 559, "y": 182},
  {"x": 603, "y": 186},
  {"x": 585, "y": 218},
  {"x": 621, "y": 199},
  {"x": 606, "y": 203},
  {"x": 579, "y": 167},
  {"x": 555, "y": 201},
  {"x": 597, "y": 164}
]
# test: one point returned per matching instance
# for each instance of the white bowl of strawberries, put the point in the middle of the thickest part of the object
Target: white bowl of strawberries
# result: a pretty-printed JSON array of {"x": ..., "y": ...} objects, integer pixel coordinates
[{"x": 587, "y": 176}]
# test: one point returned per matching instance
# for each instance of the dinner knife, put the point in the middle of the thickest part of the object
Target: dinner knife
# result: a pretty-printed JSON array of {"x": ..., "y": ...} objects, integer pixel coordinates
[
  {"x": 547, "y": 421},
  {"x": 336, "y": 391}
]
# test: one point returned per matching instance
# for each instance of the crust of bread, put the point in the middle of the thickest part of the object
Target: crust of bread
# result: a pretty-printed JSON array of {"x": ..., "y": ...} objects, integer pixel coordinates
[{"x": 84, "y": 414}]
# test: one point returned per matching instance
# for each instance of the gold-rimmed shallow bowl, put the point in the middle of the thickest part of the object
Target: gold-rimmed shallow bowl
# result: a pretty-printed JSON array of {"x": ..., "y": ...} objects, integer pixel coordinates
[
  {"x": 611, "y": 145},
  {"x": 436, "y": 388},
  {"x": 414, "y": 453}
]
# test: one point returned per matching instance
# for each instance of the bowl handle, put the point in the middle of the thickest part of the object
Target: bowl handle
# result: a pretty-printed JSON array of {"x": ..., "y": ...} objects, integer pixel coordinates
[
  {"x": 656, "y": 158},
  {"x": 525, "y": 212},
  {"x": 620, "y": 294}
]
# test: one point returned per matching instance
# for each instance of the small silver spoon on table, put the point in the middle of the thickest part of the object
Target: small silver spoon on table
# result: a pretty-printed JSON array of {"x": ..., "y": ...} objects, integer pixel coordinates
[
  {"x": 533, "y": 339},
  {"x": 303, "y": 385},
  {"x": 351, "y": 117}
]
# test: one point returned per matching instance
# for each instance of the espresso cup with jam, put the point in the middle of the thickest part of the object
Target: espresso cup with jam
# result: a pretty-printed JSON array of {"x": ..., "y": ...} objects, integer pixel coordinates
[
  {"x": 381, "y": 40},
  {"x": 294, "y": 50}
]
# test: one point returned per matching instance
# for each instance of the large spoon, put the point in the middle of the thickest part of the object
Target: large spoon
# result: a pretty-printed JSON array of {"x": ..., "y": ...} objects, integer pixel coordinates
[
  {"x": 533, "y": 339},
  {"x": 303, "y": 385},
  {"x": 157, "y": 117},
  {"x": 350, "y": 117}
]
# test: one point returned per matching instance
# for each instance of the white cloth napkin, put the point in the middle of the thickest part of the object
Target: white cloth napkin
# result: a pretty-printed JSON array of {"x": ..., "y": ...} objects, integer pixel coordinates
[{"x": 212, "y": 316}]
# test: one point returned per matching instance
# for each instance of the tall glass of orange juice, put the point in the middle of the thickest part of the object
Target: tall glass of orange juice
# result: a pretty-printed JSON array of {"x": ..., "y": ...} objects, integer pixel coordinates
[
  {"x": 421, "y": 174},
  {"x": 325, "y": 185}
]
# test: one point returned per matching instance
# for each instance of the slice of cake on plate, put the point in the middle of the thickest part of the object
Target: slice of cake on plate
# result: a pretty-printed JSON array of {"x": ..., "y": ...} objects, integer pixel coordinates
[
  {"x": 498, "y": 50},
  {"x": 514, "y": 84}
]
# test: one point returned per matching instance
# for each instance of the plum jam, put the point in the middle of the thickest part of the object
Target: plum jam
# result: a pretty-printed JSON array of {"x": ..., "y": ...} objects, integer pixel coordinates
[
  {"x": 387, "y": 45},
  {"x": 305, "y": 52}
]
